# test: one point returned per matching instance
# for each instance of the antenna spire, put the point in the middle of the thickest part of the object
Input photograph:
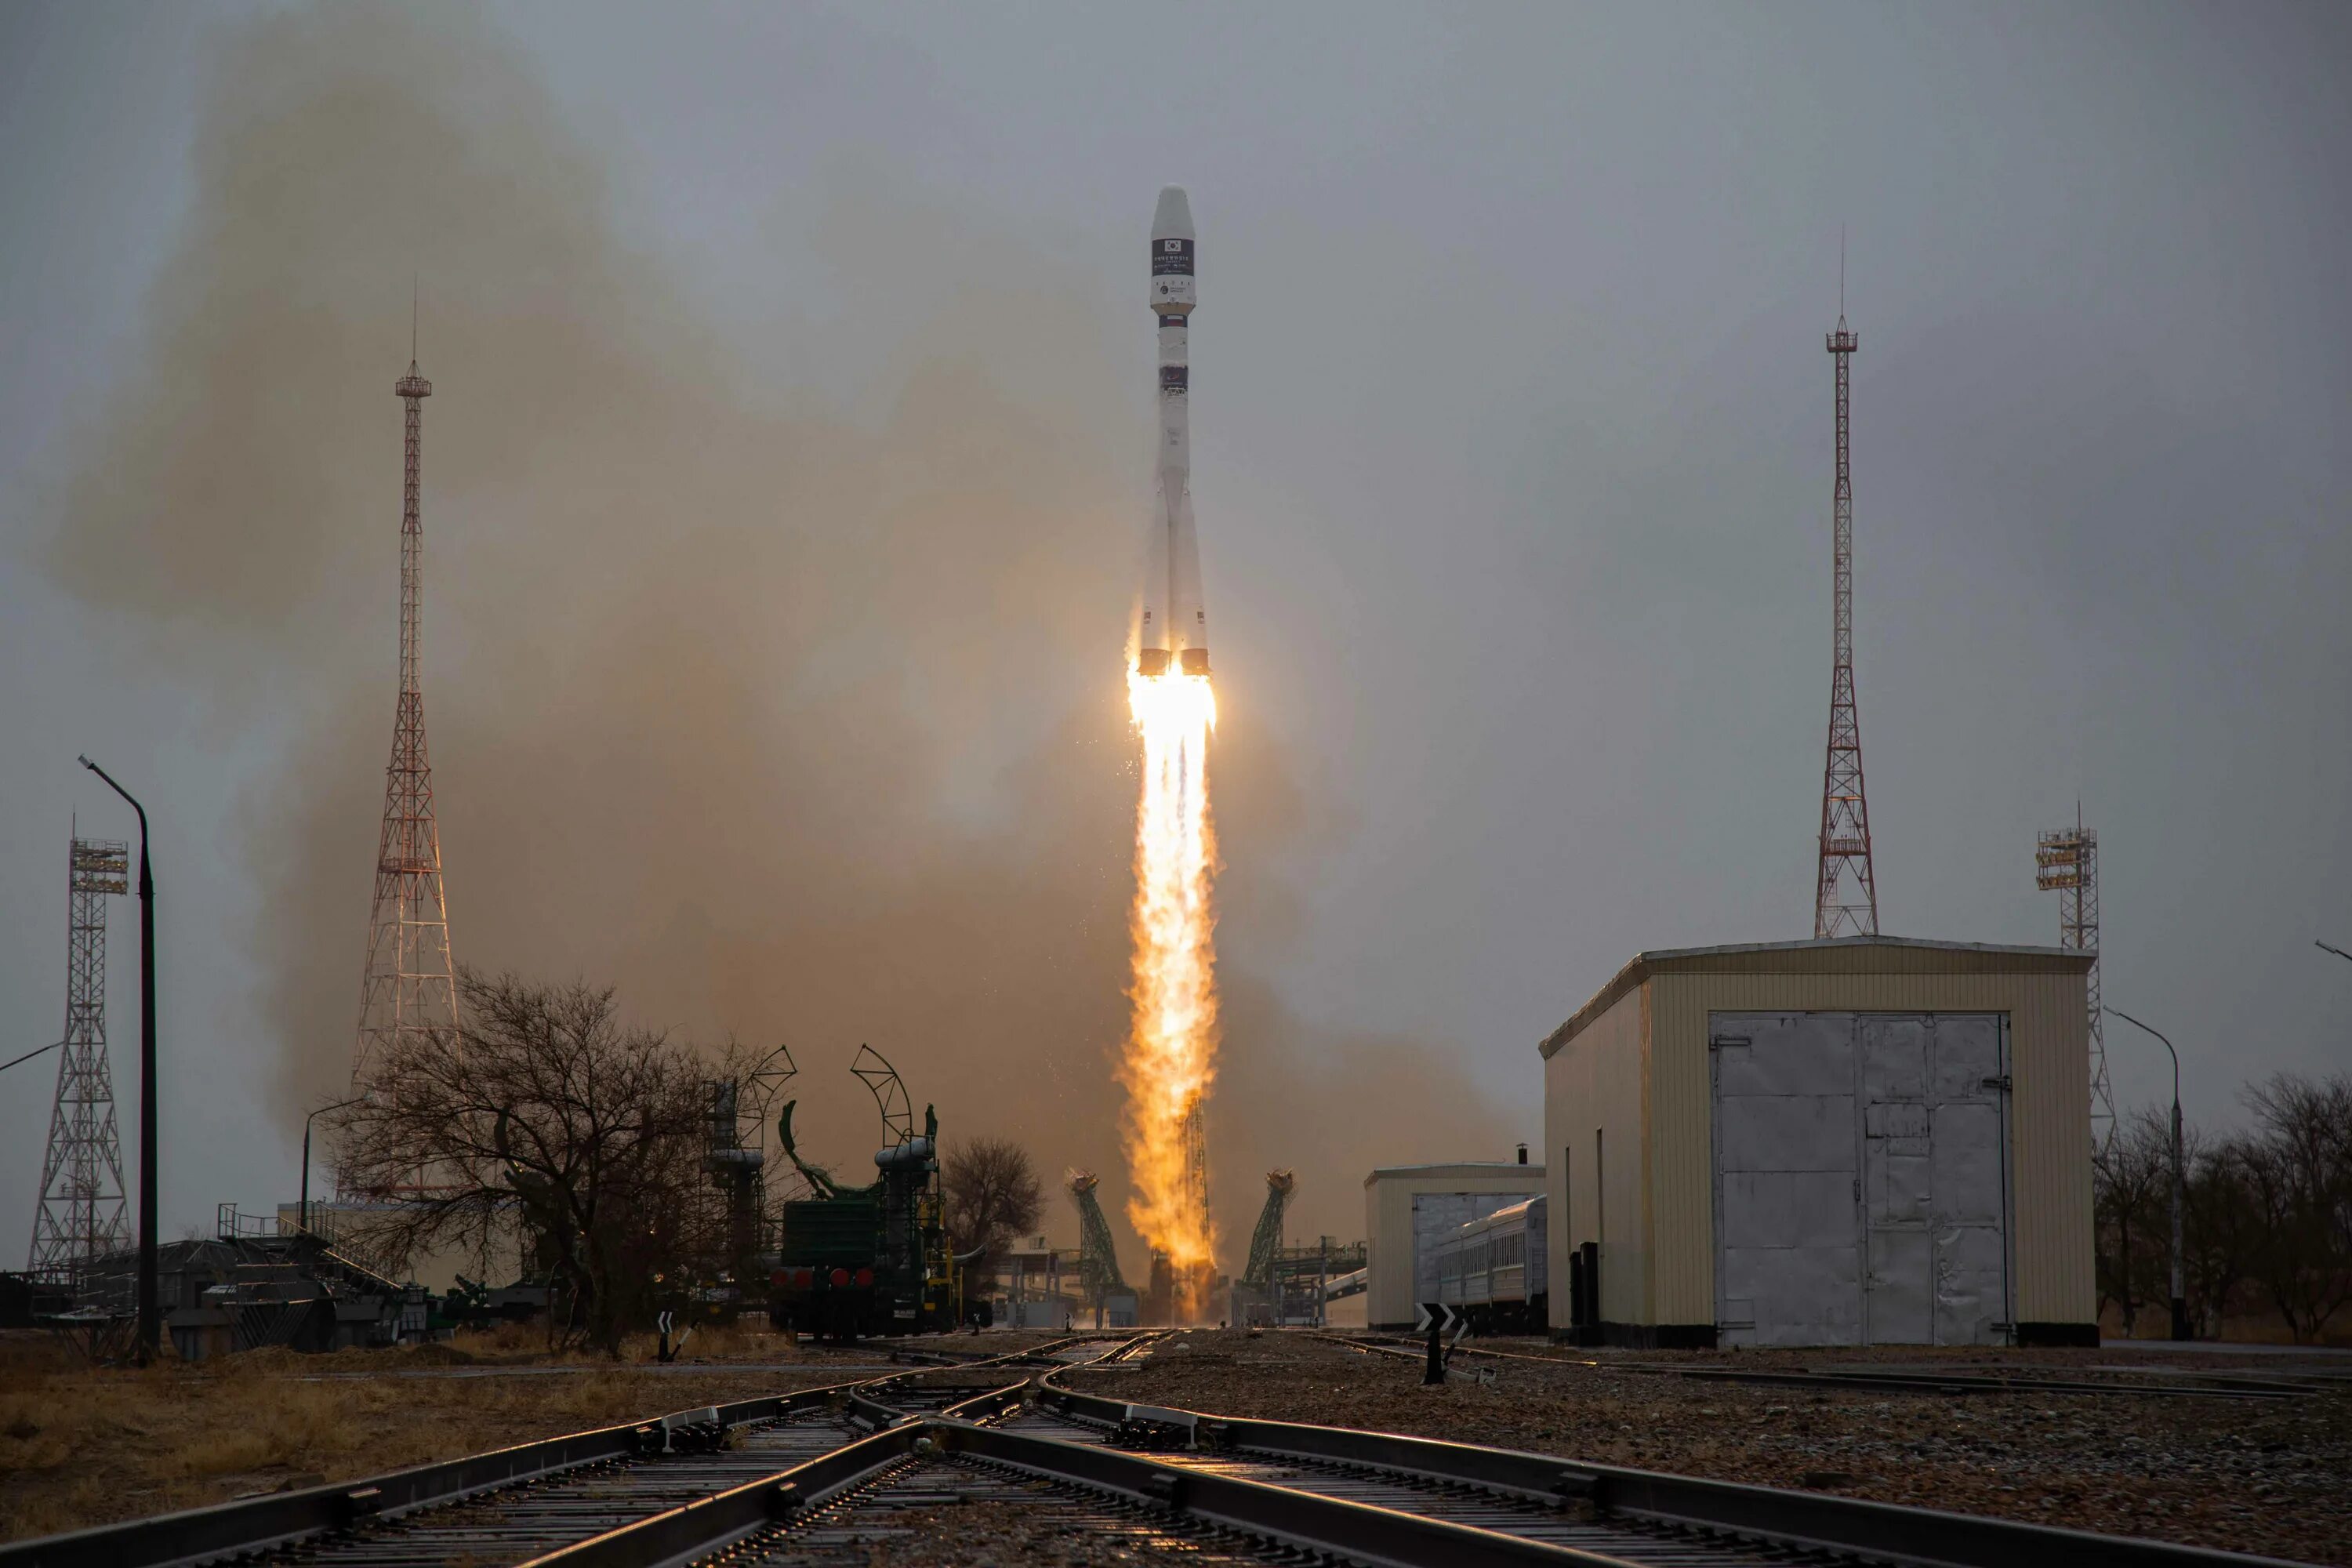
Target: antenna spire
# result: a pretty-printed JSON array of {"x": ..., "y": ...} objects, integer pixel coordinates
[
  {"x": 412, "y": 292},
  {"x": 408, "y": 986},
  {"x": 1845, "y": 898}
]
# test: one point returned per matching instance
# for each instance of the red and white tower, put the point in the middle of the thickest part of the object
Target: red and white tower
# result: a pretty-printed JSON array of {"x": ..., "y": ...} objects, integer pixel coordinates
[
  {"x": 409, "y": 986},
  {"x": 1846, "y": 901}
]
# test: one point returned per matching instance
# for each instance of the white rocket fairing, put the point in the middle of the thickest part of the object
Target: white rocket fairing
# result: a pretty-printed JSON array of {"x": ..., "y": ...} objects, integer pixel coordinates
[{"x": 1175, "y": 626}]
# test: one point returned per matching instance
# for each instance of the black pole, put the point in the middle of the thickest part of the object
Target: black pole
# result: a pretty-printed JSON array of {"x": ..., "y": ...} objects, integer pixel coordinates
[
  {"x": 306, "y": 1154},
  {"x": 149, "y": 1317},
  {"x": 2179, "y": 1181}
]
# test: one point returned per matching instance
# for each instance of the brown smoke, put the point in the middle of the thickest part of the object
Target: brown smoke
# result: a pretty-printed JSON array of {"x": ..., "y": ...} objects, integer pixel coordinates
[{"x": 793, "y": 725}]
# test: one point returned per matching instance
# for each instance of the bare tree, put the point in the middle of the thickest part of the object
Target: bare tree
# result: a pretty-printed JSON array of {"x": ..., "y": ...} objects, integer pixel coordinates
[
  {"x": 544, "y": 1114},
  {"x": 990, "y": 1193},
  {"x": 2131, "y": 1178},
  {"x": 2296, "y": 1169},
  {"x": 2220, "y": 1229}
]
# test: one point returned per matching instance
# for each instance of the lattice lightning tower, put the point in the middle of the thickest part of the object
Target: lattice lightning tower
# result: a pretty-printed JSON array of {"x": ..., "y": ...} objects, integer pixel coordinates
[
  {"x": 2068, "y": 862},
  {"x": 1846, "y": 901},
  {"x": 408, "y": 987},
  {"x": 81, "y": 1214}
]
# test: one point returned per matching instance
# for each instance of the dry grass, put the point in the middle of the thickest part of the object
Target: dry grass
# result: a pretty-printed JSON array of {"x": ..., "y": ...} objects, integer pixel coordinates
[{"x": 81, "y": 1447}]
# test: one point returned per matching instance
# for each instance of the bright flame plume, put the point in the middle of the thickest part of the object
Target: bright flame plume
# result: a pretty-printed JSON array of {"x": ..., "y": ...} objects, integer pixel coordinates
[{"x": 1172, "y": 1044}]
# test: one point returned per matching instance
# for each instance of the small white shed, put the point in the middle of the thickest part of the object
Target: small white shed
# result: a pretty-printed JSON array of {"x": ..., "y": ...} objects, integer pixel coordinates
[
  {"x": 1406, "y": 1206},
  {"x": 1861, "y": 1140}
]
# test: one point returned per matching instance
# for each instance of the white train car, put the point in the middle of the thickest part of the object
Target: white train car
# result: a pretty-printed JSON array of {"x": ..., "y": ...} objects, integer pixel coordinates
[{"x": 1494, "y": 1270}]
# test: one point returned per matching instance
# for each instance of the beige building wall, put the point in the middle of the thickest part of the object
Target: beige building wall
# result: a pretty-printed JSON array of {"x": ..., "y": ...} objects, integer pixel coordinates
[
  {"x": 1389, "y": 1192},
  {"x": 1636, "y": 1057},
  {"x": 1594, "y": 1124}
]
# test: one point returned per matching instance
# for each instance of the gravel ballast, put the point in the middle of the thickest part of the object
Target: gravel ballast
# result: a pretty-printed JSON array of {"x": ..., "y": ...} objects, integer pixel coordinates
[{"x": 2272, "y": 1477}]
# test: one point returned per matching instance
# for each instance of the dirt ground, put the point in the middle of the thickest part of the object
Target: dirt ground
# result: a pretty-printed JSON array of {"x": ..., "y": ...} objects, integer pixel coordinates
[
  {"x": 2261, "y": 1475},
  {"x": 80, "y": 1446}
]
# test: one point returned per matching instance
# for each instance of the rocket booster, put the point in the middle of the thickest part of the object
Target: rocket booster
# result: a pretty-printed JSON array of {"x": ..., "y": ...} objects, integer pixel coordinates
[{"x": 1175, "y": 628}]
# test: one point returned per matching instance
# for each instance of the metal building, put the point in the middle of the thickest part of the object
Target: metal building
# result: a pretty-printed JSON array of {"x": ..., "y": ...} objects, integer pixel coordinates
[
  {"x": 1859, "y": 1141},
  {"x": 1408, "y": 1207}
]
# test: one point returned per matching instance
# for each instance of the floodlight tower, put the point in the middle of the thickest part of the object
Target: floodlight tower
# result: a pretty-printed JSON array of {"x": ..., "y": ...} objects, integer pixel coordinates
[
  {"x": 2067, "y": 861},
  {"x": 1845, "y": 899},
  {"x": 82, "y": 1215},
  {"x": 408, "y": 987}
]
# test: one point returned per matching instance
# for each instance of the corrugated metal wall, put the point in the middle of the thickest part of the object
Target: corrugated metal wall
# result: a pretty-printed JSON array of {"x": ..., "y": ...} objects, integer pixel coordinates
[
  {"x": 2049, "y": 1119},
  {"x": 1599, "y": 1081},
  {"x": 1639, "y": 1069}
]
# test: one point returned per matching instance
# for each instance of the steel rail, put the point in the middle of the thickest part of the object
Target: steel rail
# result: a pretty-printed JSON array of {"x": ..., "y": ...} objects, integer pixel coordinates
[
  {"x": 252, "y": 1524},
  {"x": 1282, "y": 1515},
  {"x": 1864, "y": 1377},
  {"x": 1797, "y": 1520},
  {"x": 256, "y": 1524}
]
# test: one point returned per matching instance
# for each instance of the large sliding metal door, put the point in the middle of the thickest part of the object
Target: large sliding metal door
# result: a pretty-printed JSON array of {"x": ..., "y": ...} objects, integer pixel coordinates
[{"x": 1860, "y": 1190}]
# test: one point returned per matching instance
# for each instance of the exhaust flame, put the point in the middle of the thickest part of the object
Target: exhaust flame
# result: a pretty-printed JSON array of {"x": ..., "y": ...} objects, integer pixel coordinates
[{"x": 1171, "y": 1042}]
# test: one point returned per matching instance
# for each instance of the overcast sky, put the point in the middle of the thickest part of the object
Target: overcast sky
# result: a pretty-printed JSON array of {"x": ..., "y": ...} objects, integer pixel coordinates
[{"x": 1512, "y": 430}]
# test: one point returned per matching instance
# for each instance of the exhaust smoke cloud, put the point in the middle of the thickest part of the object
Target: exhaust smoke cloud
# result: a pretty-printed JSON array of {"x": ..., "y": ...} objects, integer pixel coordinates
[{"x": 785, "y": 717}]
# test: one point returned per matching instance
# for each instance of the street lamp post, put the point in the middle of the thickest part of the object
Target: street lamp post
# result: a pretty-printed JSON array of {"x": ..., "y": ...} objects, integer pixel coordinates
[
  {"x": 306, "y": 1154},
  {"x": 2336, "y": 951},
  {"x": 149, "y": 1316},
  {"x": 2180, "y": 1292}
]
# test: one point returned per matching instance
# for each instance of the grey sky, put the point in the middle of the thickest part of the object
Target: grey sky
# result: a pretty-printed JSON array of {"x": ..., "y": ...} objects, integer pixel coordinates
[{"x": 1511, "y": 424}]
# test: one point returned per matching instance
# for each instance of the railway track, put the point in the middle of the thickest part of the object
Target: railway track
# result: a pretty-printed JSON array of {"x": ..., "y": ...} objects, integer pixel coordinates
[
  {"x": 510, "y": 1505},
  {"x": 999, "y": 1459},
  {"x": 1913, "y": 1379}
]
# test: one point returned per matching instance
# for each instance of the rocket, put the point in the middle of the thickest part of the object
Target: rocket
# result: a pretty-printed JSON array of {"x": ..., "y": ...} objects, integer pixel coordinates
[{"x": 1175, "y": 627}]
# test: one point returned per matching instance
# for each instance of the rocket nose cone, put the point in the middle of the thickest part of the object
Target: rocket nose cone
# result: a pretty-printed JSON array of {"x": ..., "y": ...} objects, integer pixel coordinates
[{"x": 1173, "y": 220}]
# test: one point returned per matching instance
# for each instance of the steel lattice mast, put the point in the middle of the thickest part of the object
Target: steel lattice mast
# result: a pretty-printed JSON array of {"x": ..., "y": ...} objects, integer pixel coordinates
[
  {"x": 1097, "y": 1253},
  {"x": 2068, "y": 862},
  {"x": 1265, "y": 1241},
  {"x": 81, "y": 1216},
  {"x": 1846, "y": 901},
  {"x": 408, "y": 987}
]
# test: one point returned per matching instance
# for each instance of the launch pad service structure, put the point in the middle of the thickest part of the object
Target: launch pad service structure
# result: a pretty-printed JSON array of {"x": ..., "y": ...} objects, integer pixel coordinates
[{"x": 1175, "y": 629}]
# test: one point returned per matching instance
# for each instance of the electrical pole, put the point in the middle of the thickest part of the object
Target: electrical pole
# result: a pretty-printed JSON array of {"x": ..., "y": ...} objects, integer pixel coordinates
[
  {"x": 150, "y": 1312},
  {"x": 2179, "y": 1184}
]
